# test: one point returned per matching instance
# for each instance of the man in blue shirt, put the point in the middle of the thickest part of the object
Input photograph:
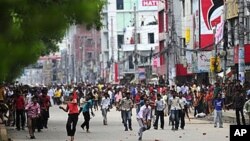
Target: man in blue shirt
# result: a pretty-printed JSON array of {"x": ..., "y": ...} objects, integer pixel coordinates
[{"x": 218, "y": 105}]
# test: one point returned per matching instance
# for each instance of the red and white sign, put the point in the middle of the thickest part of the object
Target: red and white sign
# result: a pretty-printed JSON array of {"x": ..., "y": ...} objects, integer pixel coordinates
[{"x": 211, "y": 15}]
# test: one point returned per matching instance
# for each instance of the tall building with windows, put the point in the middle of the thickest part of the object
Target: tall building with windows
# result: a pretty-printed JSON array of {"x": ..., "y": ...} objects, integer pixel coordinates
[{"x": 123, "y": 21}]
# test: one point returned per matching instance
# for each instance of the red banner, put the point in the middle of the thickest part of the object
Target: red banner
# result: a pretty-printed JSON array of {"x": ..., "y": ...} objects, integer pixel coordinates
[{"x": 116, "y": 73}]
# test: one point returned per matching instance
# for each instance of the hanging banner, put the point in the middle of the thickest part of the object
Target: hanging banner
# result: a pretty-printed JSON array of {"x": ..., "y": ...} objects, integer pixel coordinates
[
  {"x": 204, "y": 61},
  {"x": 219, "y": 32}
]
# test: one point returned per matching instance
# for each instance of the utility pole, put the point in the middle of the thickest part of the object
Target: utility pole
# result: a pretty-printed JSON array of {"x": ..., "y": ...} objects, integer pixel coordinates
[
  {"x": 214, "y": 73},
  {"x": 241, "y": 63},
  {"x": 172, "y": 52},
  {"x": 136, "y": 42},
  {"x": 167, "y": 40},
  {"x": 225, "y": 46},
  {"x": 112, "y": 50}
]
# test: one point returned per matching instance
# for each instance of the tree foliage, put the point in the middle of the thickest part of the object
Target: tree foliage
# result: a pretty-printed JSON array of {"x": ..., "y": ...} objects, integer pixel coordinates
[{"x": 31, "y": 28}]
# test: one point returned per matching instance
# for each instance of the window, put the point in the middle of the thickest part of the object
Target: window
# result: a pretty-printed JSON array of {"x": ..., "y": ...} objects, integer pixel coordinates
[
  {"x": 138, "y": 38},
  {"x": 89, "y": 55},
  {"x": 120, "y": 40},
  {"x": 130, "y": 62},
  {"x": 183, "y": 8},
  {"x": 144, "y": 59},
  {"x": 183, "y": 45},
  {"x": 151, "y": 38},
  {"x": 248, "y": 27},
  {"x": 119, "y": 4},
  {"x": 89, "y": 42}
]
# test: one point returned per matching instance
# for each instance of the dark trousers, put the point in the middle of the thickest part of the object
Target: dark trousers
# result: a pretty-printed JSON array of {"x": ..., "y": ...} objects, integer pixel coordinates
[
  {"x": 20, "y": 115},
  {"x": 182, "y": 117},
  {"x": 161, "y": 115},
  {"x": 45, "y": 117},
  {"x": 39, "y": 124},
  {"x": 239, "y": 111},
  {"x": 71, "y": 124},
  {"x": 195, "y": 110},
  {"x": 86, "y": 116}
]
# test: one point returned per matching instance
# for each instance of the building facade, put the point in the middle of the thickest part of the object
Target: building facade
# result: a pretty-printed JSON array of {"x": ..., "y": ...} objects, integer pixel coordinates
[
  {"x": 207, "y": 31},
  {"x": 122, "y": 19}
]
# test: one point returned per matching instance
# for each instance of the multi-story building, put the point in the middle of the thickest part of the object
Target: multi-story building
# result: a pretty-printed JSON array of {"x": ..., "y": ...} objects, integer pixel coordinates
[
  {"x": 122, "y": 19},
  {"x": 207, "y": 30},
  {"x": 170, "y": 16},
  {"x": 80, "y": 54}
]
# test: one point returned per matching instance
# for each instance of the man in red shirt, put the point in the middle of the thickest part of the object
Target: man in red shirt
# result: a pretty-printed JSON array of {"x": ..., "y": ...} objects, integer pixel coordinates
[
  {"x": 44, "y": 104},
  {"x": 20, "y": 110}
]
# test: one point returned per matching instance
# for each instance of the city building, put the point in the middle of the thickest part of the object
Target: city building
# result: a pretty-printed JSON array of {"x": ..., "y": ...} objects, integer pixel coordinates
[
  {"x": 120, "y": 47},
  {"x": 200, "y": 40}
]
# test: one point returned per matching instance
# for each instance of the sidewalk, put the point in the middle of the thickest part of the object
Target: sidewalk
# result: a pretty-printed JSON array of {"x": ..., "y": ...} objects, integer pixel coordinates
[{"x": 229, "y": 116}]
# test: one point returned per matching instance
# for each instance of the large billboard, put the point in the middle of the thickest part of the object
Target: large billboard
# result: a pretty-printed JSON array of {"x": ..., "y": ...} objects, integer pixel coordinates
[{"x": 210, "y": 16}]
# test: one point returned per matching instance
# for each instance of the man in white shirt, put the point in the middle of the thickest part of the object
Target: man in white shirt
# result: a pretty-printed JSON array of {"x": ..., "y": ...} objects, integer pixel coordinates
[
  {"x": 144, "y": 118},
  {"x": 160, "y": 106},
  {"x": 105, "y": 103}
]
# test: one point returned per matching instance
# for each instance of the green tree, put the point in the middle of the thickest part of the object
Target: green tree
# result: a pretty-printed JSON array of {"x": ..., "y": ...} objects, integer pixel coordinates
[{"x": 31, "y": 28}]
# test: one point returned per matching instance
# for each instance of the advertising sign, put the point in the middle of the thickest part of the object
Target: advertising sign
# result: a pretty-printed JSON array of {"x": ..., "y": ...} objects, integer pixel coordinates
[
  {"x": 147, "y": 5},
  {"x": 210, "y": 16},
  {"x": 204, "y": 61}
]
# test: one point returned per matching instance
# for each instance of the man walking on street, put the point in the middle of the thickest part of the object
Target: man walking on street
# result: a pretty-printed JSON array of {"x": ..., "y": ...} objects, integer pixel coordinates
[
  {"x": 105, "y": 107},
  {"x": 126, "y": 105},
  {"x": 238, "y": 104},
  {"x": 144, "y": 118},
  {"x": 218, "y": 105},
  {"x": 160, "y": 106}
]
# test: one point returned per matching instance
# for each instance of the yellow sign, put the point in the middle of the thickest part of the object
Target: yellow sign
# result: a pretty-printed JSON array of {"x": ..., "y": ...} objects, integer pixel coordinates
[
  {"x": 187, "y": 35},
  {"x": 215, "y": 63},
  {"x": 232, "y": 9}
]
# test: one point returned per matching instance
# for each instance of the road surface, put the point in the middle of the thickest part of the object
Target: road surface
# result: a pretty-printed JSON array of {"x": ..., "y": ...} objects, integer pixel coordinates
[{"x": 195, "y": 130}]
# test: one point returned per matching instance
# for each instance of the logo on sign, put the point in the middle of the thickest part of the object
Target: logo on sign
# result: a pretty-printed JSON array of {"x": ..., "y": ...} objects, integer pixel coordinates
[
  {"x": 239, "y": 132},
  {"x": 150, "y": 2}
]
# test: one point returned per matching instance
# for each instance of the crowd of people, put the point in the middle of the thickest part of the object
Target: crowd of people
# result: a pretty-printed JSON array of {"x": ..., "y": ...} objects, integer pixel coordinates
[{"x": 24, "y": 105}]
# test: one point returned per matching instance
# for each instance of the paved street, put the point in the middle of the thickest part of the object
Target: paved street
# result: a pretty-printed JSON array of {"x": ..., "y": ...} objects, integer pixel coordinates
[{"x": 195, "y": 130}]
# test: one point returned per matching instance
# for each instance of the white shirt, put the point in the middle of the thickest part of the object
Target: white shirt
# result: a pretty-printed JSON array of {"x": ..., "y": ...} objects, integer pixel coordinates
[
  {"x": 175, "y": 103},
  {"x": 160, "y": 105},
  {"x": 183, "y": 102},
  {"x": 51, "y": 92},
  {"x": 105, "y": 103},
  {"x": 144, "y": 113}
]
